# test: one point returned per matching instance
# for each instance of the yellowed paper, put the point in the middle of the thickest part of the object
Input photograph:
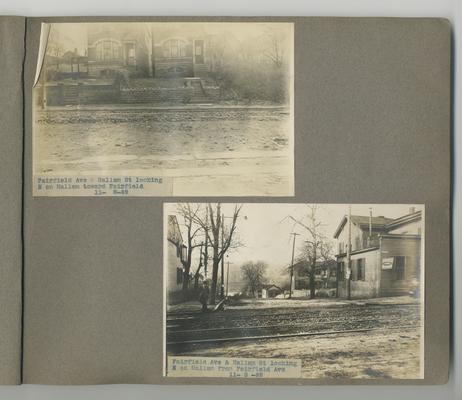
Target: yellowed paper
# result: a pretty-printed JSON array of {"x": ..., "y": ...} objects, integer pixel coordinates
[
  {"x": 206, "y": 106},
  {"x": 294, "y": 282},
  {"x": 221, "y": 367}
]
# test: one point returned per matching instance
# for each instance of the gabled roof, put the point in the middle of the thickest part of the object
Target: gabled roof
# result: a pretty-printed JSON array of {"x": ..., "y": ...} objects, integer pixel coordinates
[
  {"x": 404, "y": 220},
  {"x": 362, "y": 221},
  {"x": 70, "y": 54},
  {"x": 270, "y": 285},
  {"x": 173, "y": 231}
]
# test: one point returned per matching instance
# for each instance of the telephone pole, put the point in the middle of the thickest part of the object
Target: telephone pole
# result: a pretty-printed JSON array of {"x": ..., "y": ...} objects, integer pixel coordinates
[
  {"x": 227, "y": 277},
  {"x": 292, "y": 264},
  {"x": 206, "y": 249},
  {"x": 222, "y": 291}
]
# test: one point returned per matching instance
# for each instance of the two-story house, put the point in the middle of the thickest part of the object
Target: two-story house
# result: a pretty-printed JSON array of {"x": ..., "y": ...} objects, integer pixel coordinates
[
  {"x": 159, "y": 50},
  {"x": 325, "y": 275},
  {"x": 385, "y": 255},
  {"x": 176, "y": 253}
]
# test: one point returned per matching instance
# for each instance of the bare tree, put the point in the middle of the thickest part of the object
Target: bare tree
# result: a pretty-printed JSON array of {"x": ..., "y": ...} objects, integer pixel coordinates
[
  {"x": 54, "y": 46},
  {"x": 253, "y": 274},
  {"x": 202, "y": 265},
  {"x": 326, "y": 256},
  {"x": 273, "y": 49},
  {"x": 220, "y": 237},
  {"x": 316, "y": 246}
]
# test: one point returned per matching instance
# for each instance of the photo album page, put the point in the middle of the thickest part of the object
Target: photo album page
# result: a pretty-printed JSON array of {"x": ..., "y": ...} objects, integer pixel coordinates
[{"x": 233, "y": 200}]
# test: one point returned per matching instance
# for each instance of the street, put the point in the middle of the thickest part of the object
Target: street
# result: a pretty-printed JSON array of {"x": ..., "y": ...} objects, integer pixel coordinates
[
  {"x": 235, "y": 150},
  {"x": 352, "y": 340}
]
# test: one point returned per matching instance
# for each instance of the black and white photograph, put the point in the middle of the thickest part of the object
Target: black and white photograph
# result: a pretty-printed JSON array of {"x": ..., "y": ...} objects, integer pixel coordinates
[
  {"x": 334, "y": 291},
  {"x": 164, "y": 109}
]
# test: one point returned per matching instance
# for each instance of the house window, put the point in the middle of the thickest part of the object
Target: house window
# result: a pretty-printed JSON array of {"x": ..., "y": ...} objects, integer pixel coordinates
[
  {"x": 341, "y": 248},
  {"x": 354, "y": 270},
  {"x": 357, "y": 243},
  {"x": 341, "y": 270},
  {"x": 399, "y": 267},
  {"x": 107, "y": 50},
  {"x": 174, "y": 48},
  {"x": 361, "y": 269},
  {"x": 184, "y": 253},
  {"x": 179, "y": 276}
]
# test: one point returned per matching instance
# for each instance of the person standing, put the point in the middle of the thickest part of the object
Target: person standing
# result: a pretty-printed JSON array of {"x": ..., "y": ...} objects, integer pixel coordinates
[{"x": 204, "y": 296}]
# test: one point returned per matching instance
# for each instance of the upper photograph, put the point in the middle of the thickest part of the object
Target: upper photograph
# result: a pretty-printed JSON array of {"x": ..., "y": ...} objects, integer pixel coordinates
[{"x": 164, "y": 109}]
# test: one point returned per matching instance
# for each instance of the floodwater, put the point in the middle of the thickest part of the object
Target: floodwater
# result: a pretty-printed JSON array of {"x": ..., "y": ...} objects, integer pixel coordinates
[{"x": 250, "y": 146}]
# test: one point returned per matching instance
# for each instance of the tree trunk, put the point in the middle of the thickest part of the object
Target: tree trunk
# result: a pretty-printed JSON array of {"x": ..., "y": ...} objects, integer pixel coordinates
[
  {"x": 187, "y": 267},
  {"x": 185, "y": 280},
  {"x": 187, "y": 264},
  {"x": 312, "y": 281},
  {"x": 213, "y": 291}
]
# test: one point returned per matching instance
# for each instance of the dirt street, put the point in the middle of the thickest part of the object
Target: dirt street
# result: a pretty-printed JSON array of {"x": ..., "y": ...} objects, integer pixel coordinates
[
  {"x": 335, "y": 340},
  {"x": 237, "y": 151},
  {"x": 375, "y": 354}
]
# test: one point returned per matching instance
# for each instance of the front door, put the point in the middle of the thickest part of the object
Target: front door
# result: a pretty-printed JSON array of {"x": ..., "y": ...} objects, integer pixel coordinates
[
  {"x": 129, "y": 54},
  {"x": 199, "y": 52}
]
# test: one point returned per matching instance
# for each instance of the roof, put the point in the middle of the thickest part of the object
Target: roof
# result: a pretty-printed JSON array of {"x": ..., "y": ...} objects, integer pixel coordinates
[
  {"x": 319, "y": 264},
  {"x": 363, "y": 221},
  {"x": 174, "y": 232},
  {"x": 405, "y": 219},
  {"x": 379, "y": 222},
  {"x": 70, "y": 54},
  {"x": 270, "y": 286}
]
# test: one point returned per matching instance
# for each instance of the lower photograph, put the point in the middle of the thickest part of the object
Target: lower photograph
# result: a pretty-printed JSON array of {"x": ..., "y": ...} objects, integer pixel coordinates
[{"x": 280, "y": 290}]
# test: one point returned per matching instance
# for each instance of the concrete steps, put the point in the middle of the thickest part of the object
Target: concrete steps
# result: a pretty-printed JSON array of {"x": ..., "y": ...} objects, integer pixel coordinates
[{"x": 71, "y": 94}]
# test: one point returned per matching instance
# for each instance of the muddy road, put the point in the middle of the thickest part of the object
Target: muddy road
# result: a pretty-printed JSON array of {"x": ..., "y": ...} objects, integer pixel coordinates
[{"x": 359, "y": 341}]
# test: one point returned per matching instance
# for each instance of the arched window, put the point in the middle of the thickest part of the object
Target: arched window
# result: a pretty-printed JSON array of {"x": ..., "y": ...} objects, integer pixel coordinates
[
  {"x": 108, "y": 49},
  {"x": 174, "y": 48}
]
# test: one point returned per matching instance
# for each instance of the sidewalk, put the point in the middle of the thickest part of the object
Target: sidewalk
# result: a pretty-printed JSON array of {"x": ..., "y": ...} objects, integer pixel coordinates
[
  {"x": 260, "y": 304},
  {"x": 160, "y": 107}
]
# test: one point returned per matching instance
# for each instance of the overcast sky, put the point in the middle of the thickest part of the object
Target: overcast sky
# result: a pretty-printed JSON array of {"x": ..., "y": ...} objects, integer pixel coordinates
[
  {"x": 266, "y": 231},
  {"x": 74, "y": 35}
]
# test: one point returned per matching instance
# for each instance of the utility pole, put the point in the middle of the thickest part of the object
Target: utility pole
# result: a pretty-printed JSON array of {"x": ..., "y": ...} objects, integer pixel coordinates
[
  {"x": 349, "y": 255},
  {"x": 206, "y": 250},
  {"x": 292, "y": 264},
  {"x": 227, "y": 278},
  {"x": 222, "y": 291},
  {"x": 370, "y": 222}
]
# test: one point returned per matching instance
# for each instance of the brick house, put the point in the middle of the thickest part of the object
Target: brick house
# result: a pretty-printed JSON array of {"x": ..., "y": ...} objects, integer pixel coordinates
[
  {"x": 135, "y": 63},
  {"x": 150, "y": 50},
  {"x": 385, "y": 255}
]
